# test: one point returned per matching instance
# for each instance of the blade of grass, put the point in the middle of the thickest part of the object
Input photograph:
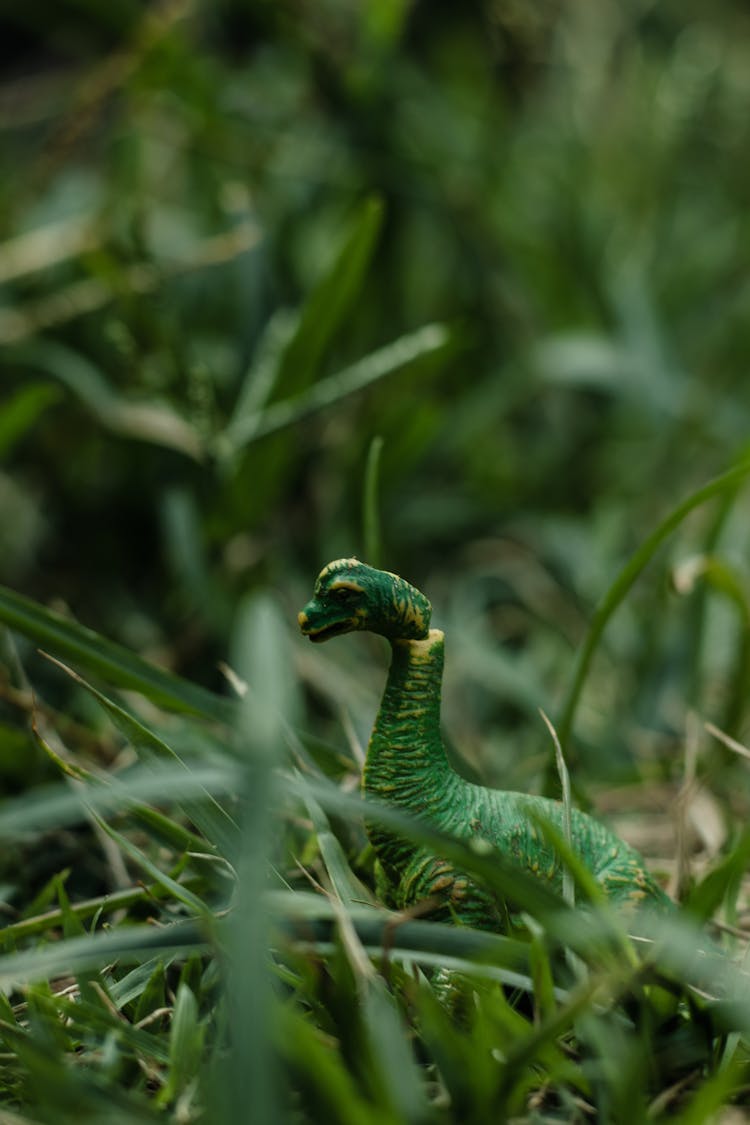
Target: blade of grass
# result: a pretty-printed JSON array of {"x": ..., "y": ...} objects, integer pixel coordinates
[
  {"x": 398, "y": 1076},
  {"x": 729, "y": 582},
  {"x": 55, "y": 805},
  {"x": 313, "y": 917},
  {"x": 89, "y": 294},
  {"x": 320, "y": 1072},
  {"x": 185, "y": 1045},
  {"x": 293, "y": 349},
  {"x": 19, "y": 412},
  {"x": 389, "y": 1062},
  {"x": 147, "y": 983},
  {"x": 178, "y": 891},
  {"x": 371, "y": 531},
  {"x": 704, "y": 899},
  {"x": 66, "y": 1094},
  {"x": 412, "y": 952},
  {"x": 122, "y": 943},
  {"x": 16, "y": 932},
  {"x": 249, "y": 1075},
  {"x": 85, "y": 1017},
  {"x": 426, "y": 344},
  {"x": 69, "y": 640},
  {"x": 330, "y": 301},
  {"x": 713, "y": 1094},
  {"x": 568, "y": 885},
  {"x": 619, "y": 589},
  {"x": 167, "y": 831},
  {"x": 345, "y": 884},
  {"x": 260, "y": 380},
  {"x": 215, "y": 821}
]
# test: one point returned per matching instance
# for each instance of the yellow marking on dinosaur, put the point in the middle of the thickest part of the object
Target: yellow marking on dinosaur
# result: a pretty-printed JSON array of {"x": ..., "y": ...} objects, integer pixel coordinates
[
  {"x": 337, "y": 564},
  {"x": 332, "y": 567},
  {"x": 421, "y": 650},
  {"x": 411, "y": 614},
  {"x": 347, "y": 584},
  {"x": 459, "y": 890}
]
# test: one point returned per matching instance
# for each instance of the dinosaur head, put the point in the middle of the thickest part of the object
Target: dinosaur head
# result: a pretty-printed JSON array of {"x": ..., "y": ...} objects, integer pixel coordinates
[{"x": 350, "y": 595}]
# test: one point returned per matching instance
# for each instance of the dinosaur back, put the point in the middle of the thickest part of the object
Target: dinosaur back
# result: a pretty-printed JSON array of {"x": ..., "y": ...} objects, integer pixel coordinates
[{"x": 511, "y": 822}]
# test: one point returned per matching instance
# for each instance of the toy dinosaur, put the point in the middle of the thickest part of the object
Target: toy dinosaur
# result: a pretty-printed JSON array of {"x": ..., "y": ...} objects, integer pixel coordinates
[{"x": 407, "y": 766}]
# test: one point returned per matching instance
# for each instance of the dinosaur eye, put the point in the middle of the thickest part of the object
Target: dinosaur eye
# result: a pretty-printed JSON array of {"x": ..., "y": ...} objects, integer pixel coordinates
[{"x": 342, "y": 593}]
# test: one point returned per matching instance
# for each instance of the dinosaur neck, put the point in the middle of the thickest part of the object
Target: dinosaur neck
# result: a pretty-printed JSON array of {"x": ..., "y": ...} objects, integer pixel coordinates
[{"x": 406, "y": 762}]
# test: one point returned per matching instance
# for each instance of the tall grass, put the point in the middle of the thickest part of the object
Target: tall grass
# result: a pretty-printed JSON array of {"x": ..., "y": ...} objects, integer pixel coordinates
[
  {"x": 458, "y": 289},
  {"x": 304, "y": 998}
]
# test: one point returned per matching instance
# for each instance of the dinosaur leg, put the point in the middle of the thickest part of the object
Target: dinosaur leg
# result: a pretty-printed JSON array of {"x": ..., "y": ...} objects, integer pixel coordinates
[{"x": 449, "y": 895}]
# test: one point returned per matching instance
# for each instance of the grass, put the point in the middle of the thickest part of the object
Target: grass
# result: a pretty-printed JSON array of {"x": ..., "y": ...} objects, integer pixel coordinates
[
  {"x": 231, "y": 977},
  {"x": 458, "y": 289}
]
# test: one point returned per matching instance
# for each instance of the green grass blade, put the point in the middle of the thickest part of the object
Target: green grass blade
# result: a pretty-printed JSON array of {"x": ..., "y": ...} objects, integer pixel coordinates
[
  {"x": 54, "y": 805},
  {"x": 185, "y": 1045},
  {"x": 293, "y": 348},
  {"x": 704, "y": 899},
  {"x": 713, "y": 1094},
  {"x": 71, "y": 641},
  {"x": 179, "y": 891},
  {"x": 728, "y": 581},
  {"x": 19, "y": 412},
  {"x": 169, "y": 832},
  {"x": 260, "y": 379},
  {"x": 344, "y": 882},
  {"x": 427, "y": 344},
  {"x": 321, "y": 1073},
  {"x": 309, "y": 916},
  {"x": 250, "y": 1075},
  {"x": 125, "y": 944},
  {"x": 619, "y": 589},
  {"x": 214, "y": 821},
  {"x": 146, "y": 983},
  {"x": 392, "y": 1054},
  {"x": 371, "y": 532},
  {"x": 581, "y": 876},
  {"x": 541, "y": 975},
  {"x": 330, "y": 301},
  {"x": 84, "y": 1017},
  {"x": 568, "y": 884},
  {"x": 16, "y": 932}
]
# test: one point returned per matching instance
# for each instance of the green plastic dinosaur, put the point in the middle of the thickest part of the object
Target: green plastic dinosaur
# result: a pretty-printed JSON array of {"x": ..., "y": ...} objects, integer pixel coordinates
[{"x": 407, "y": 766}]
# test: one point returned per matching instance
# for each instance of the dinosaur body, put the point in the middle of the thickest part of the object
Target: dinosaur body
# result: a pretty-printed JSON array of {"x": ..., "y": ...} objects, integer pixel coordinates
[{"x": 407, "y": 766}]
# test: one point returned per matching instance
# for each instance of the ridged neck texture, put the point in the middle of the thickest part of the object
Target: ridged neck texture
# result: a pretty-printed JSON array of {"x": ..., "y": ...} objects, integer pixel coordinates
[{"x": 406, "y": 761}]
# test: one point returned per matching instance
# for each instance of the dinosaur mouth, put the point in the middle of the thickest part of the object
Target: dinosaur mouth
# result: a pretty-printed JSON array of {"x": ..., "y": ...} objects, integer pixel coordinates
[{"x": 326, "y": 631}]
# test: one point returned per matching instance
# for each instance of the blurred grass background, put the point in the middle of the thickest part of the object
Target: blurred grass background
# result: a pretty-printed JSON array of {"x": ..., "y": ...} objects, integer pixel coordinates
[
  {"x": 562, "y": 187},
  {"x": 240, "y": 242}
]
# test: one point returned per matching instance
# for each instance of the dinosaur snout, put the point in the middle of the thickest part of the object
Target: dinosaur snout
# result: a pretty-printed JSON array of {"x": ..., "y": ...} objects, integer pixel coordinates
[
  {"x": 303, "y": 618},
  {"x": 319, "y": 621},
  {"x": 312, "y": 617}
]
